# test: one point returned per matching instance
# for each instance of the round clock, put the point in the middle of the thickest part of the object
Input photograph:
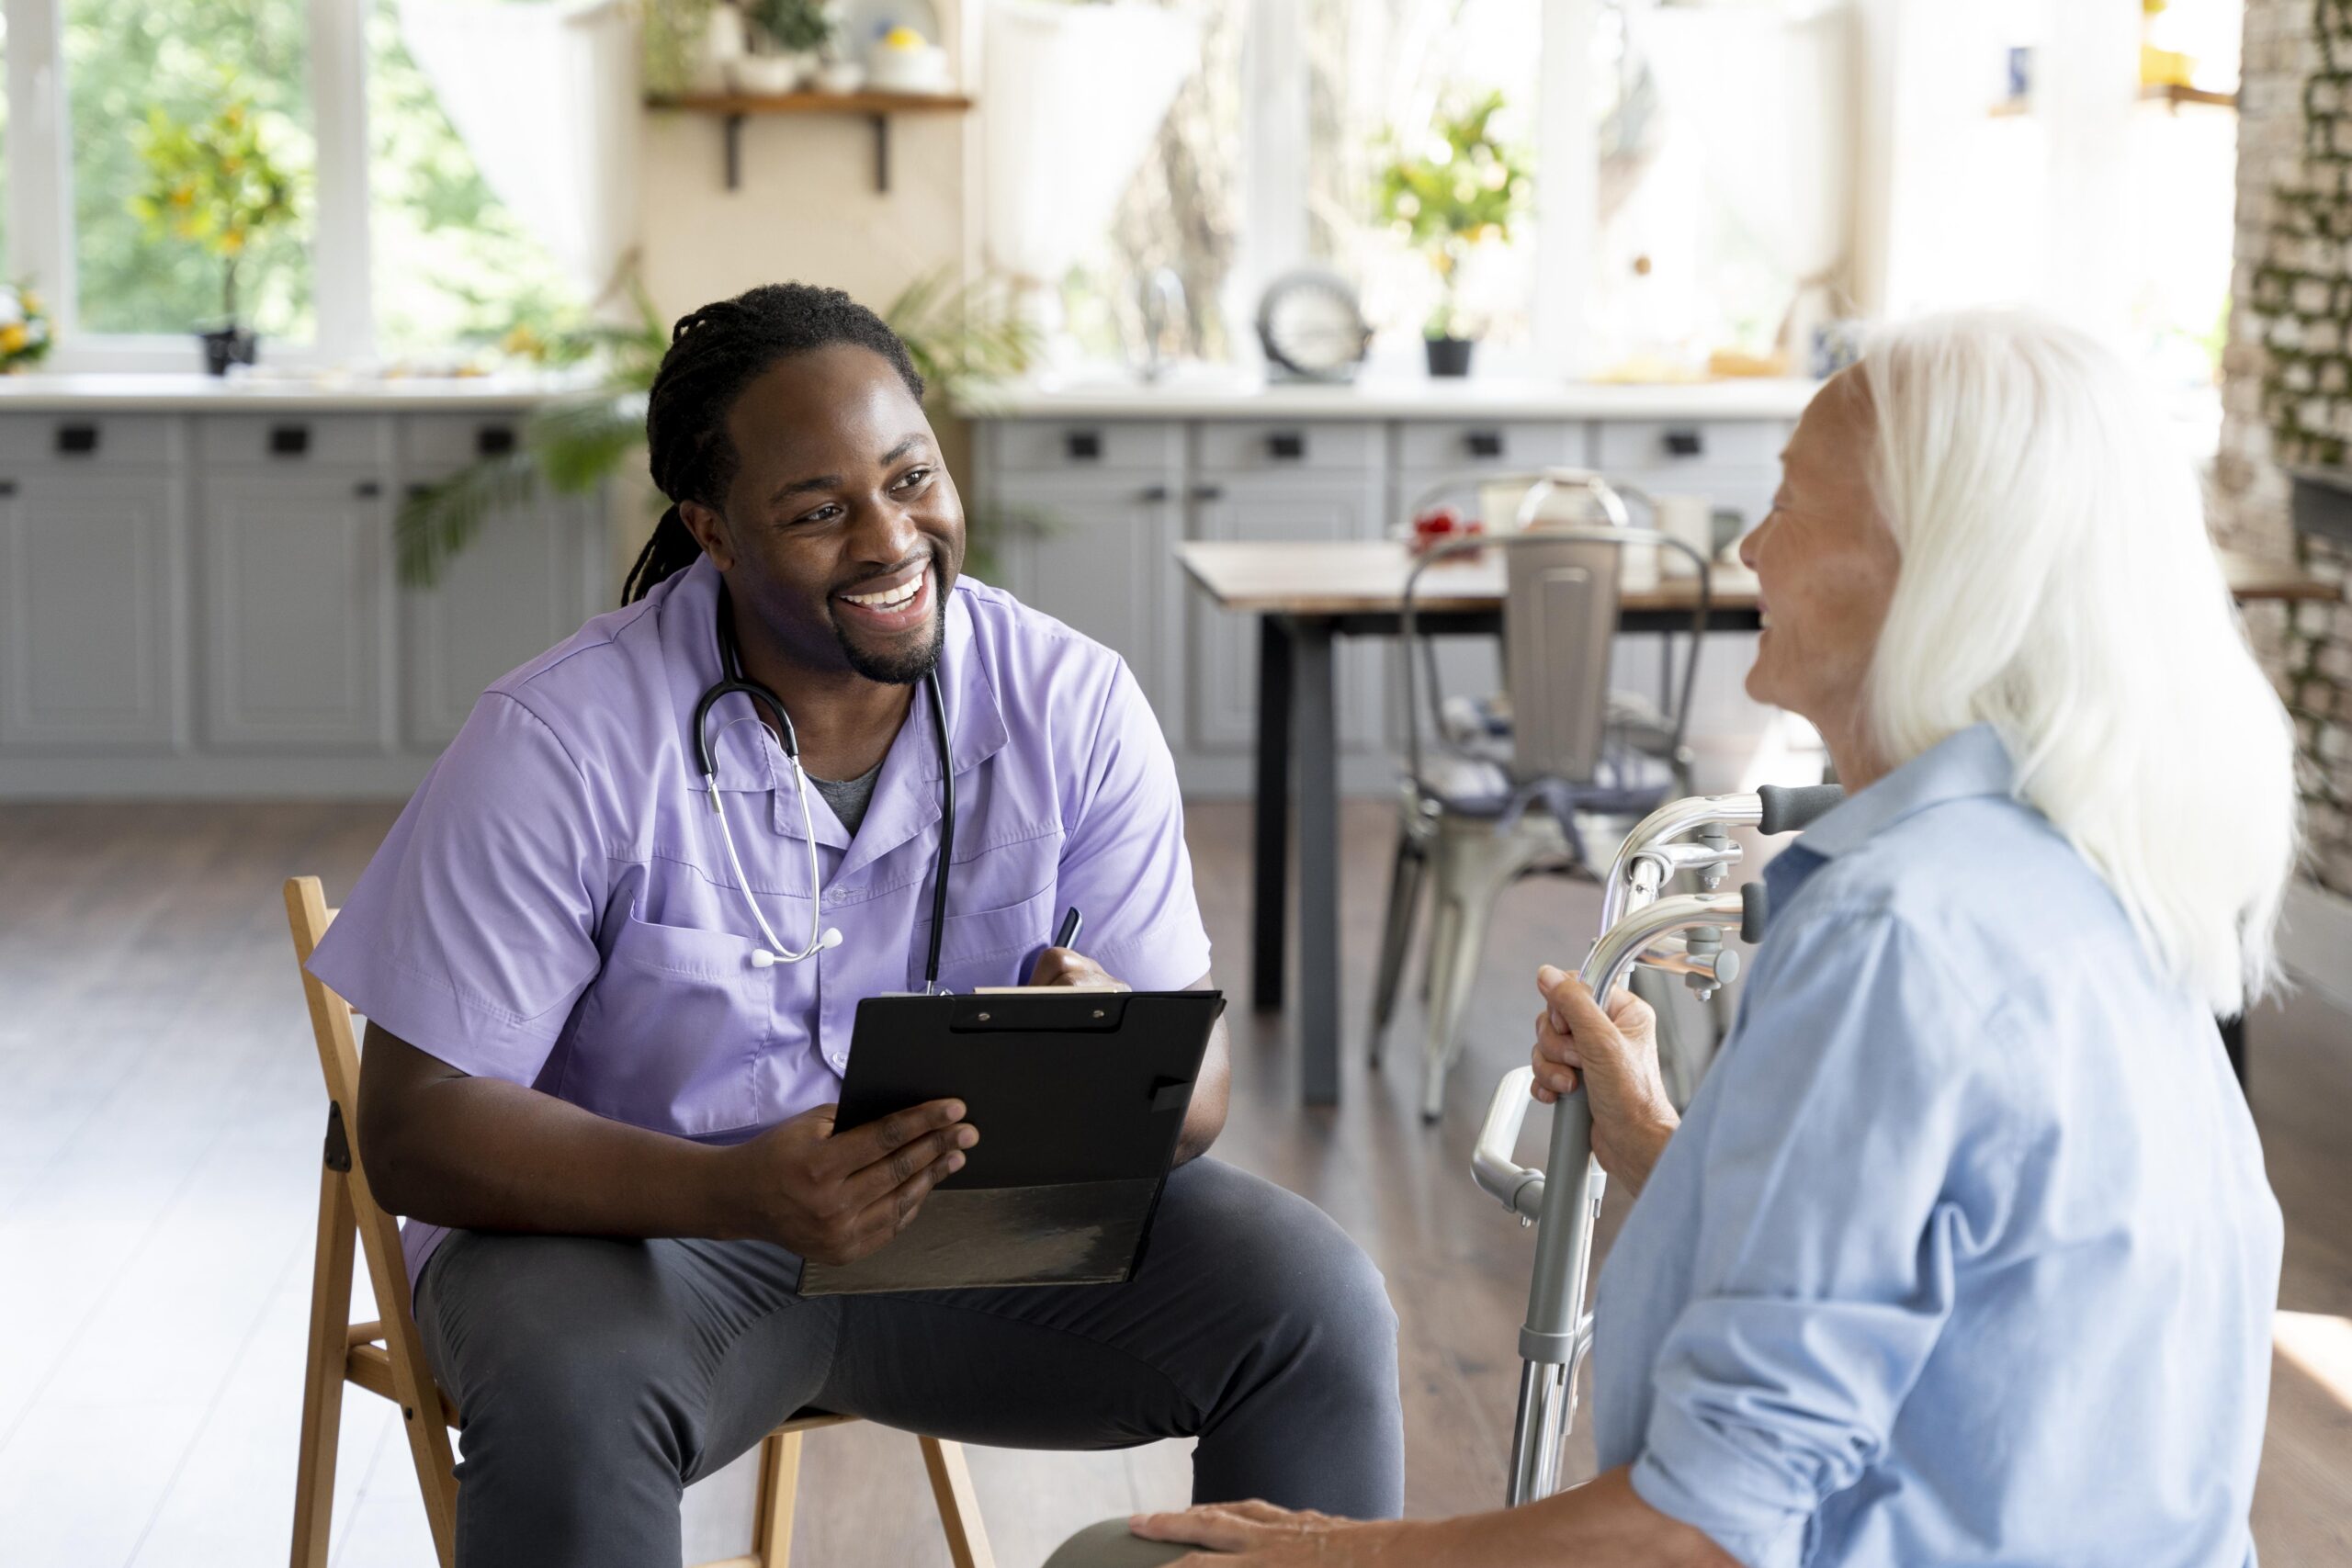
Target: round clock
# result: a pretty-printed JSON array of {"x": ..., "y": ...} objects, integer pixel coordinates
[{"x": 1311, "y": 327}]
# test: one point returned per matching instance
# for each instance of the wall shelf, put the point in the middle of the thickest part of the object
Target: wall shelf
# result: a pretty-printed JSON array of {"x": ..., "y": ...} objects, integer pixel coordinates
[{"x": 733, "y": 108}]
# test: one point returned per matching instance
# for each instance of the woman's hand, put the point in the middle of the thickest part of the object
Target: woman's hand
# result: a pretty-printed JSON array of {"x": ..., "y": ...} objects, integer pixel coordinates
[
  {"x": 1616, "y": 1056},
  {"x": 1268, "y": 1537}
]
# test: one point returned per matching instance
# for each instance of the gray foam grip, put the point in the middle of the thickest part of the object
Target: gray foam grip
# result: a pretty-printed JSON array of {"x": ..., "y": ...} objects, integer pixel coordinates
[
  {"x": 1755, "y": 913},
  {"x": 1786, "y": 808}
]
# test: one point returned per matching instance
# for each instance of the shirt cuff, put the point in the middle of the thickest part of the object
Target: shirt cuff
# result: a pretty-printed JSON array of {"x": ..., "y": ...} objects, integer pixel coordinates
[
  {"x": 436, "y": 1018},
  {"x": 1769, "y": 1540},
  {"x": 1168, "y": 957}
]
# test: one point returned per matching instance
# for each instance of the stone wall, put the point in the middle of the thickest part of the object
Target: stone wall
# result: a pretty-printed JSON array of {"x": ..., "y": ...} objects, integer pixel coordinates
[{"x": 2288, "y": 389}]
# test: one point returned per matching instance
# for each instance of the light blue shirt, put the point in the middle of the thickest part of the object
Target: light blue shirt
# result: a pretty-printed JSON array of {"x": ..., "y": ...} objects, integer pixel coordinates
[{"x": 1963, "y": 1253}]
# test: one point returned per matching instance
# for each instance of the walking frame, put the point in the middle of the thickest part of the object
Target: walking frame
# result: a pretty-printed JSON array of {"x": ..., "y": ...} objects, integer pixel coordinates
[
  {"x": 1638, "y": 923},
  {"x": 387, "y": 1357}
]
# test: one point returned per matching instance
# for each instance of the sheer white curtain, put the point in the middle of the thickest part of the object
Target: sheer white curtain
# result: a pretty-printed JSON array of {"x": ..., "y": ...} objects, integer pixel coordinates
[
  {"x": 546, "y": 98},
  {"x": 1071, "y": 97}
]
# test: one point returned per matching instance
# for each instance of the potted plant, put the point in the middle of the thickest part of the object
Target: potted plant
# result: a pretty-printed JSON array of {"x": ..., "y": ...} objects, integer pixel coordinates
[
  {"x": 792, "y": 32},
  {"x": 214, "y": 182},
  {"x": 25, "y": 336},
  {"x": 1462, "y": 187}
]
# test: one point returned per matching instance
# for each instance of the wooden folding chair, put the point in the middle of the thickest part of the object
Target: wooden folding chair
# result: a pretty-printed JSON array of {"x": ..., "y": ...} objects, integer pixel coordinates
[{"x": 387, "y": 1358}]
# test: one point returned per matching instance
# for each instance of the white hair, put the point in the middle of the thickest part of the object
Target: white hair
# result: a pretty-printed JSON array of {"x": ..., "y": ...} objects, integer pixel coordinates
[{"x": 2057, "y": 581}]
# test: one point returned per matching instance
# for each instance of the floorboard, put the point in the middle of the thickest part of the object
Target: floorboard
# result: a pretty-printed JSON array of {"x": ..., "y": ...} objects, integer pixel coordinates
[{"x": 158, "y": 1150}]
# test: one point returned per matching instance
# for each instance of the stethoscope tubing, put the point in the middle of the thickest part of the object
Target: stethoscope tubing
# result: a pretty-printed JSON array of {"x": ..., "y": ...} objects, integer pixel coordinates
[{"x": 732, "y": 682}]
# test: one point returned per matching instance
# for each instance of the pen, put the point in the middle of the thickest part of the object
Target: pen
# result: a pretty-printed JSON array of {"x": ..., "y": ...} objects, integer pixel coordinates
[{"x": 1071, "y": 923}]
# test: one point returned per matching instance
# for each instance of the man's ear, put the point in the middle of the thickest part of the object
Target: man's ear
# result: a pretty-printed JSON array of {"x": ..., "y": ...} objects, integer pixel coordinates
[{"x": 709, "y": 530}]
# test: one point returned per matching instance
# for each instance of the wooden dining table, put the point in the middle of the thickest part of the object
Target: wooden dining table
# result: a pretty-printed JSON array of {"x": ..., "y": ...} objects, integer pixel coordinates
[{"x": 1307, "y": 595}]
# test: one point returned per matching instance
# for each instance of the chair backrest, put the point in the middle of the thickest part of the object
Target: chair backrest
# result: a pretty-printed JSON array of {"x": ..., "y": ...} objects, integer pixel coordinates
[
  {"x": 1559, "y": 627},
  {"x": 1561, "y": 604}
]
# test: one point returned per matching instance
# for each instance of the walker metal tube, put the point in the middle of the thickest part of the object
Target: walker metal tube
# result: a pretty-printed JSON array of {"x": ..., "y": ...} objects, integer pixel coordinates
[{"x": 1555, "y": 1338}]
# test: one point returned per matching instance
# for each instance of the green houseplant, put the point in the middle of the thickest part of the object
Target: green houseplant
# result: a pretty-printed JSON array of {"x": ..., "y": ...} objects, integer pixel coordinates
[
  {"x": 1463, "y": 186},
  {"x": 962, "y": 339},
  {"x": 215, "y": 183}
]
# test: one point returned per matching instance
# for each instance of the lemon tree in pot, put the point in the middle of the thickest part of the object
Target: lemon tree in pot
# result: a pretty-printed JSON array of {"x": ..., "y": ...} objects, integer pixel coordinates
[
  {"x": 215, "y": 183},
  {"x": 1461, "y": 186}
]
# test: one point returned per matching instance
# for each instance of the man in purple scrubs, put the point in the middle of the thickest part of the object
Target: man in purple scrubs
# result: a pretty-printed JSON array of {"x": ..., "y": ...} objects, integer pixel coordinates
[{"x": 608, "y": 1113}]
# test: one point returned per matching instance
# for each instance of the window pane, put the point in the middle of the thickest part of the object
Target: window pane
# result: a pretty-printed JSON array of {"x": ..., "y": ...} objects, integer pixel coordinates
[
  {"x": 190, "y": 59},
  {"x": 1381, "y": 75},
  {"x": 1182, "y": 211},
  {"x": 450, "y": 264}
]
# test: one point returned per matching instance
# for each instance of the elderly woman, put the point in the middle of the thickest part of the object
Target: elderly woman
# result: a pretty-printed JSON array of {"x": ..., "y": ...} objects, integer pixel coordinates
[{"x": 1963, "y": 1251}]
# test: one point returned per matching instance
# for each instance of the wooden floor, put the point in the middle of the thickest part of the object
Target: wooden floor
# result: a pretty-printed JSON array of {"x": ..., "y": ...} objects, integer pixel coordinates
[{"x": 160, "y": 1119}]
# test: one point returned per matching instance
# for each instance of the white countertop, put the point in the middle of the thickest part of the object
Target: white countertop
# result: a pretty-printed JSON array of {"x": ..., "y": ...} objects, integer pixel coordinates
[
  {"x": 157, "y": 392},
  {"x": 1414, "y": 397}
]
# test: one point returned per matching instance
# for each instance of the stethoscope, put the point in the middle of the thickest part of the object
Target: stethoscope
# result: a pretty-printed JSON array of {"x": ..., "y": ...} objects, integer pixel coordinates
[{"x": 731, "y": 681}]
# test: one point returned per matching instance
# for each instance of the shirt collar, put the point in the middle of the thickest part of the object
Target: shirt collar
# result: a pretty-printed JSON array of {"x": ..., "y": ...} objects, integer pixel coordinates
[
  {"x": 906, "y": 795},
  {"x": 1972, "y": 762}
]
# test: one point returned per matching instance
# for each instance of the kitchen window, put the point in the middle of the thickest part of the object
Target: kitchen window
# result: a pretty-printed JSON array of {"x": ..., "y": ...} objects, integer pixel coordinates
[{"x": 398, "y": 247}]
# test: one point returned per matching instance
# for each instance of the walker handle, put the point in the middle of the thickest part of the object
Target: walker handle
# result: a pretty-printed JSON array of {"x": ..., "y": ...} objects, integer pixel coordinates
[
  {"x": 1787, "y": 807},
  {"x": 1519, "y": 1189}
]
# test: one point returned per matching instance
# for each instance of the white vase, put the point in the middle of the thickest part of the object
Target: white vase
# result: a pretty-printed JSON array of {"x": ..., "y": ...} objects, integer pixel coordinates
[
  {"x": 724, "y": 41},
  {"x": 765, "y": 75}
]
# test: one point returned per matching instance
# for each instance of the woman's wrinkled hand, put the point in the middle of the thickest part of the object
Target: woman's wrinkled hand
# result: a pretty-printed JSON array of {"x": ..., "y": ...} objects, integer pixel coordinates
[{"x": 1614, "y": 1055}]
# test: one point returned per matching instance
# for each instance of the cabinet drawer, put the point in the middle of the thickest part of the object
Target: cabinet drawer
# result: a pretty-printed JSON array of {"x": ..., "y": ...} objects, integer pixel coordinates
[
  {"x": 1674, "y": 444},
  {"x": 1471, "y": 446},
  {"x": 1276, "y": 447},
  {"x": 107, "y": 438},
  {"x": 289, "y": 439},
  {"x": 440, "y": 442},
  {"x": 1082, "y": 447}
]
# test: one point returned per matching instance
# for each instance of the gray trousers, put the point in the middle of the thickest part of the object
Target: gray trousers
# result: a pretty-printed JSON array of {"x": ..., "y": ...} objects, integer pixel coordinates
[{"x": 598, "y": 1377}]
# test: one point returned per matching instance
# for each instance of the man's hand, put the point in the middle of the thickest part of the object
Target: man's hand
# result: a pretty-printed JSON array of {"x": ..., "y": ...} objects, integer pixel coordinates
[
  {"x": 1064, "y": 966},
  {"x": 1616, "y": 1056},
  {"x": 1268, "y": 1537},
  {"x": 834, "y": 1197}
]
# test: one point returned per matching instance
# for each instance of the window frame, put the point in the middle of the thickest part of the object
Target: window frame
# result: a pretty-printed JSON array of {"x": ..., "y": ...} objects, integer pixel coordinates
[{"x": 41, "y": 230}]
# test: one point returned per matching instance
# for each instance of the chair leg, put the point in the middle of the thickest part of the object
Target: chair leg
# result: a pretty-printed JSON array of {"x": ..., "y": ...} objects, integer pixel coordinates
[
  {"x": 323, "y": 1369},
  {"x": 779, "y": 1490},
  {"x": 959, "y": 1505},
  {"x": 1396, "y": 934},
  {"x": 1473, "y": 866}
]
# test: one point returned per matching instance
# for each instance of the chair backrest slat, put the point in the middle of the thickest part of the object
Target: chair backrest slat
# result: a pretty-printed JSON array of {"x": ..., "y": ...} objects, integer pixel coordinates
[{"x": 1559, "y": 627}]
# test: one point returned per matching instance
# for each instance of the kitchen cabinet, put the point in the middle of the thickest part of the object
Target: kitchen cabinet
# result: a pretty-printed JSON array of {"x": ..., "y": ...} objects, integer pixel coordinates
[
  {"x": 93, "y": 622},
  {"x": 201, "y": 600},
  {"x": 1120, "y": 486}
]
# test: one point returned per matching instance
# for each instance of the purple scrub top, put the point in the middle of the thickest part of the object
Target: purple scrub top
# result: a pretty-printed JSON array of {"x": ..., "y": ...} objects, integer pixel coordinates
[{"x": 554, "y": 906}]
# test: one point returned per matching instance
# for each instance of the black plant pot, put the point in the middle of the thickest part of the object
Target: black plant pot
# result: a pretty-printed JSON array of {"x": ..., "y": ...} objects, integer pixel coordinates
[
  {"x": 224, "y": 346},
  {"x": 1450, "y": 355}
]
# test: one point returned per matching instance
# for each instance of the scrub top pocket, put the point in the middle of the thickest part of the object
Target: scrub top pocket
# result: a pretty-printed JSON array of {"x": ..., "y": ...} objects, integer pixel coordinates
[{"x": 642, "y": 1050}]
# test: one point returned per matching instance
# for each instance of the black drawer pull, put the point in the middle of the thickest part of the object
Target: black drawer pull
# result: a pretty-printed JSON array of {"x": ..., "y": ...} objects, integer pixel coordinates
[
  {"x": 1083, "y": 446},
  {"x": 77, "y": 440},
  {"x": 1286, "y": 446},
  {"x": 1484, "y": 442},
  {"x": 7, "y": 488},
  {"x": 1151, "y": 493},
  {"x": 289, "y": 440},
  {"x": 366, "y": 489},
  {"x": 494, "y": 440},
  {"x": 1684, "y": 444},
  {"x": 1208, "y": 492}
]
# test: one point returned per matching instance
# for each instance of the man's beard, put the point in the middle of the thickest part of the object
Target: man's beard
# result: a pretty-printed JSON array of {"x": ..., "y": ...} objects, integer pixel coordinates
[{"x": 900, "y": 668}]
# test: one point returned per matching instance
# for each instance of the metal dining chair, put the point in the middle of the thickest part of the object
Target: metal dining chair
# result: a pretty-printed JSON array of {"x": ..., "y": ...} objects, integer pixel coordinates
[{"x": 1518, "y": 788}]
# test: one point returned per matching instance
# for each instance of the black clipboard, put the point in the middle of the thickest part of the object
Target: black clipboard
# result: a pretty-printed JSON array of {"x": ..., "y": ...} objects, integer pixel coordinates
[{"x": 1079, "y": 1096}]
